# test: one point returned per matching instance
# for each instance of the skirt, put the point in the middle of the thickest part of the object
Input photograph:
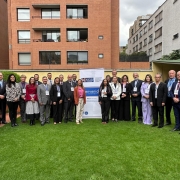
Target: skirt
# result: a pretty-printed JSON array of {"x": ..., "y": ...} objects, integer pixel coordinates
[{"x": 32, "y": 108}]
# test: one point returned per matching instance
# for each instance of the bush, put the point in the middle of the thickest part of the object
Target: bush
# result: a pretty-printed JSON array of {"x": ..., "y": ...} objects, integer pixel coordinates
[{"x": 7, "y": 73}]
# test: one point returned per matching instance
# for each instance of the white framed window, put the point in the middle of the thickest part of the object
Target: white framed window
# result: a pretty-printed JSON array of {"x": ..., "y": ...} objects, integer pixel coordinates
[
  {"x": 24, "y": 58},
  {"x": 23, "y": 14}
]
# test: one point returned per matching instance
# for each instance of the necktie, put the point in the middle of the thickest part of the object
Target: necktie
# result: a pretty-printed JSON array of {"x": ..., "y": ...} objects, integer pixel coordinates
[{"x": 50, "y": 82}]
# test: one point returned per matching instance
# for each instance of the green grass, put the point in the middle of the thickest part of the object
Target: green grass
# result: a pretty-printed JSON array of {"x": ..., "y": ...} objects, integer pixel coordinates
[{"x": 89, "y": 151}]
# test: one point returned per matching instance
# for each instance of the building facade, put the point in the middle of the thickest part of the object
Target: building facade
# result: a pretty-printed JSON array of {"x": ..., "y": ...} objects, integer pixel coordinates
[
  {"x": 159, "y": 35},
  {"x": 4, "y": 52},
  {"x": 63, "y": 34}
]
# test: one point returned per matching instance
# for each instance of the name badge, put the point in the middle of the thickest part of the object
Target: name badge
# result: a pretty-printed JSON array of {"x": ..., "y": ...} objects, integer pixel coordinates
[
  {"x": 58, "y": 94},
  {"x": 24, "y": 91},
  {"x": 47, "y": 93},
  {"x": 175, "y": 92},
  {"x": 147, "y": 91},
  {"x": 135, "y": 89},
  {"x": 72, "y": 88},
  {"x": 124, "y": 89},
  {"x": 169, "y": 88}
]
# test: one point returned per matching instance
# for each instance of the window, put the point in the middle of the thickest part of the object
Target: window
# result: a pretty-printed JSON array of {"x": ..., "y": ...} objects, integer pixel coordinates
[
  {"x": 133, "y": 39},
  {"x": 158, "y": 17},
  {"x": 49, "y": 57},
  {"x": 23, "y": 14},
  {"x": 150, "y": 24},
  {"x": 150, "y": 52},
  {"x": 23, "y": 37},
  {"x": 136, "y": 37},
  {"x": 75, "y": 35},
  {"x": 24, "y": 58},
  {"x": 150, "y": 38},
  {"x": 176, "y": 36},
  {"x": 145, "y": 29},
  {"x": 51, "y": 36},
  {"x": 101, "y": 56},
  {"x": 140, "y": 45},
  {"x": 136, "y": 47},
  {"x": 100, "y": 37},
  {"x": 77, "y": 11},
  {"x": 158, "y": 48},
  {"x": 50, "y": 14},
  {"x": 77, "y": 57},
  {"x": 145, "y": 42},
  {"x": 158, "y": 33},
  {"x": 140, "y": 34}
]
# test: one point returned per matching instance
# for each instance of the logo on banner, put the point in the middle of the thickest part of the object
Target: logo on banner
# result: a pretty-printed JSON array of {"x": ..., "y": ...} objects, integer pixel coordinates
[
  {"x": 92, "y": 91},
  {"x": 87, "y": 79}
]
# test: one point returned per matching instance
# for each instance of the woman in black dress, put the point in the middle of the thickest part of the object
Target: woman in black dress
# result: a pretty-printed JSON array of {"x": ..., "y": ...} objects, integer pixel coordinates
[{"x": 124, "y": 113}]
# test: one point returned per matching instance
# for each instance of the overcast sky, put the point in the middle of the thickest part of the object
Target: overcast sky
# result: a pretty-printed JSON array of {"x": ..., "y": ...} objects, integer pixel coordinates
[{"x": 130, "y": 10}]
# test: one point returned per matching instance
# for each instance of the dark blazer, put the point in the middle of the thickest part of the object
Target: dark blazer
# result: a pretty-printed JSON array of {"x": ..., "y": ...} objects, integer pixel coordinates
[
  {"x": 109, "y": 93},
  {"x": 3, "y": 89},
  {"x": 67, "y": 91},
  {"x": 53, "y": 93},
  {"x": 118, "y": 79},
  {"x": 161, "y": 93},
  {"x": 138, "y": 85},
  {"x": 172, "y": 92},
  {"x": 128, "y": 92},
  {"x": 39, "y": 82}
]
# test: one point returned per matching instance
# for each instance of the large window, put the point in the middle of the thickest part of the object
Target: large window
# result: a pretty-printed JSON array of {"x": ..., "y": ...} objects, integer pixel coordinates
[
  {"x": 150, "y": 24},
  {"x": 77, "y": 35},
  {"x": 23, "y": 14},
  {"x": 50, "y": 13},
  {"x": 150, "y": 52},
  {"x": 158, "y": 48},
  {"x": 145, "y": 42},
  {"x": 24, "y": 58},
  {"x": 145, "y": 29},
  {"x": 158, "y": 17},
  {"x": 77, "y": 57},
  {"x": 23, "y": 37},
  {"x": 158, "y": 33},
  {"x": 77, "y": 11},
  {"x": 49, "y": 57},
  {"x": 150, "y": 38},
  {"x": 51, "y": 36}
]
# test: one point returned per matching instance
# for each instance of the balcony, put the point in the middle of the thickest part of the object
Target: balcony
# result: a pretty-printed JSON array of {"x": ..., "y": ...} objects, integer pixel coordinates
[{"x": 77, "y": 35}]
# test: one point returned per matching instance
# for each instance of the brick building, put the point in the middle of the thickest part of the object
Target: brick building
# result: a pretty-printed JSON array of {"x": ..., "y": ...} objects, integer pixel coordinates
[
  {"x": 4, "y": 59},
  {"x": 63, "y": 34}
]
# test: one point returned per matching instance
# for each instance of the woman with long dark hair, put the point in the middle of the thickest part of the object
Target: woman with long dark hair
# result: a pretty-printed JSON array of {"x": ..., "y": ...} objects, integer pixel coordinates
[
  {"x": 146, "y": 107},
  {"x": 32, "y": 107},
  {"x": 105, "y": 94},
  {"x": 80, "y": 100},
  {"x": 56, "y": 97},
  {"x": 124, "y": 113},
  {"x": 13, "y": 92}
]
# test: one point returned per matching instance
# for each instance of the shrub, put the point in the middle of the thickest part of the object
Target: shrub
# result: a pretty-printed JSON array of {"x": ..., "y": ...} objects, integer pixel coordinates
[{"x": 7, "y": 73}]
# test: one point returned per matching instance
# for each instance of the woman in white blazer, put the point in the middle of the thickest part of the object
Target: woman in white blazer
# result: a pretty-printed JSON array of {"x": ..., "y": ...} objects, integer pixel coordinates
[{"x": 115, "y": 99}]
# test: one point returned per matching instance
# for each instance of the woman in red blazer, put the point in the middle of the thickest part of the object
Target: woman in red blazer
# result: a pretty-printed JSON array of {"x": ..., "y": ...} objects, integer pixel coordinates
[{"x": 80, "y": 100}]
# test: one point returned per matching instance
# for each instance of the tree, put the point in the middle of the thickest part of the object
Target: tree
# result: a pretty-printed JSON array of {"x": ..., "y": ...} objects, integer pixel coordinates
[{"x": 172, "y": 56}]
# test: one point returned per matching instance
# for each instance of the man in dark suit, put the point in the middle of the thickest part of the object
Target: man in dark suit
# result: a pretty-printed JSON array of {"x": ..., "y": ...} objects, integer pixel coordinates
[
  {"x": 68, "y": 90},
  {"x": 136, "y": 97},
  {"x": 157, "y": 97},
  {"x": 2, "y": 99},
  {"x": 74, "y": 78},
  {"x": 36, "y": 78},
  {"x": 175, "y": 95},
  {"x": 114, "y": 74},
  {"x": 169, "y": 82},
  {"x": 61, "y": 78}
]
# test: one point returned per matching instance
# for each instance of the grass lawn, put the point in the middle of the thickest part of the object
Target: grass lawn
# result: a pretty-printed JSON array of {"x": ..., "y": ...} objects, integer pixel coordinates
[{"x": 89, "y": 151}]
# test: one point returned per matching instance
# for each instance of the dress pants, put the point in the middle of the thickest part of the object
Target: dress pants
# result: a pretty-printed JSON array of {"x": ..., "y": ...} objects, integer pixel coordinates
[
  {"x": 3, "y": 110},
  {"x": 105, "y": 106},
  {"x": 158, "y": 110},
  {"x": 69, "y": 106},
  {"x": 114, "y": 108},
  {"x": 168, "y": 109},
  {"x": 44, "y": 113},
  {"x": 137, "y": 104},
  {"x": 12, "y": 111},
  {"x": 79, "y": 110},
  {"x": 22, "y": 104},
  {"x": 57, "y": 112},
  {"x": 124, "y": 110},
  {"x": 176, "y": 108},
  {"x": 147, "y": 112}
]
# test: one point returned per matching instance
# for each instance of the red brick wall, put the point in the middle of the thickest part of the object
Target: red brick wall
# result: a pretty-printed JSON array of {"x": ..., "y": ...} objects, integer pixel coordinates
[
  {"x": 134, "y": 65},
  {"x": 103, "y": 19},
  {"x": 4, "y": 59}
]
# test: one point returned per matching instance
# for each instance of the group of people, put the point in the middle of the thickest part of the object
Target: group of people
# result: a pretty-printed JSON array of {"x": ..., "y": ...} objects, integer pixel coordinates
[
  {"x": 65, "y": 99},
  {"x": 148, "y": 96}
]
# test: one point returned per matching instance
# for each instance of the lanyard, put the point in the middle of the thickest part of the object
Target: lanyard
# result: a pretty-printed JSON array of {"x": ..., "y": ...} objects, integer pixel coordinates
[{"x": 46, "y": 87}]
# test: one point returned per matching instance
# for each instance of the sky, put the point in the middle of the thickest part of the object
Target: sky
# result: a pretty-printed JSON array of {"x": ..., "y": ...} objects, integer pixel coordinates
[{"x": 130, "y": 10}]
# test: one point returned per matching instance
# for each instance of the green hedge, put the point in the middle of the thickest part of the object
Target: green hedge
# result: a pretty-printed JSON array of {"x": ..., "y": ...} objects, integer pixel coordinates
[{"x": 7, "y": 73}]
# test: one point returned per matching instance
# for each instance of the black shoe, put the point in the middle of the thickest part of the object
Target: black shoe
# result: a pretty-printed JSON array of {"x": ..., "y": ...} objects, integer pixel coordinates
[
  {"x": 42, "y": 124},
  {"x": 167, "y": 124},
  {"x": 15, "y": 124},
  {"x": 12, "y": 125},
  {"x": 4, "y": 122},
  {"x": 154, "y": 125},
  {"x": 175, "y": 129},
  {"x": 160, "y": 126}
]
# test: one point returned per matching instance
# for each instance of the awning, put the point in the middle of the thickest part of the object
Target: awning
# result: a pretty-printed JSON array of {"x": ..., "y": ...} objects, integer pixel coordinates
[
  {"x": 164, "y": 61},
  {"x": 45, "y": 29},
  {"x": 37, "y": 6}
]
